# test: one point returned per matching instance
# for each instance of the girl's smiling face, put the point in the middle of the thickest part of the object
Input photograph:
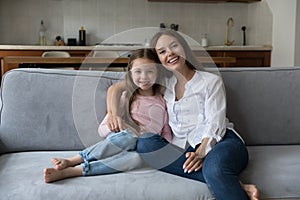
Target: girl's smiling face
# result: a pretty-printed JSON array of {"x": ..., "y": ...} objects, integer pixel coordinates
[
  {"x": 170, "y": 52},
  {"x": 144, "y": 74}
]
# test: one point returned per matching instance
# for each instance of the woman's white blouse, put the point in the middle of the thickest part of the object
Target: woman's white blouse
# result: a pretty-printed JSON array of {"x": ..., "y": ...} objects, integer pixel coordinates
[{"x": 200, "y": 113}]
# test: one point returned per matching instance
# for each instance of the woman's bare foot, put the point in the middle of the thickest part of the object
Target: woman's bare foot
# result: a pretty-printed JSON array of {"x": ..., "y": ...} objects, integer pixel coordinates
[
  {"x": 62, "y": 163},
  {"x": 51, "y": 174},
  {"x": 252, "y": 191}
]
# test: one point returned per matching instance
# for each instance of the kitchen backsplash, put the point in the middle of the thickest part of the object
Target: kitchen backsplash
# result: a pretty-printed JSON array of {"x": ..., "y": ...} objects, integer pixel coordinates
[{"x": 20, "y": 20}]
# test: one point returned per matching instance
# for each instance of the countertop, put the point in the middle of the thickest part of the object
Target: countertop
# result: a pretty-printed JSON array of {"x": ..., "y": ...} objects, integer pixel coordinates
[{"x": 128, "y": 48}]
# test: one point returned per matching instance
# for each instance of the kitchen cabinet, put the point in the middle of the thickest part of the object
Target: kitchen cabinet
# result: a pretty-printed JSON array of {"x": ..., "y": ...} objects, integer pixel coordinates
[
  {"x": 205, "y": 1},
  {"x": 246, "y": 58},
  {"x": 249, "y": 58},
  {"x": 12, "y": 50}
]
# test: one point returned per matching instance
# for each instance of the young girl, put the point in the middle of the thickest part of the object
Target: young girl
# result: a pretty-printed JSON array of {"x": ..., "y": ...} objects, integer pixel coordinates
[
  {"x": 211, "y": 151},
  {"x": 142, "y": 109}
]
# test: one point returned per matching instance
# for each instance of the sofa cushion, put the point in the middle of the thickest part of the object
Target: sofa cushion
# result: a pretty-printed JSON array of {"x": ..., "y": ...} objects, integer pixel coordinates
[
  {"x": 275, "y": 170},
  {"x": 52, "y": 109},
  {"x": 22, "y": 179},
  {"x": 263, "y": 103}
]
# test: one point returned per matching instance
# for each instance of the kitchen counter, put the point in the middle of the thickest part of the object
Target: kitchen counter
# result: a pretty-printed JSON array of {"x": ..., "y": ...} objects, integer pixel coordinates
[
  {"x": 244, "y": 56},
  {"x": 128, "y": 48}
]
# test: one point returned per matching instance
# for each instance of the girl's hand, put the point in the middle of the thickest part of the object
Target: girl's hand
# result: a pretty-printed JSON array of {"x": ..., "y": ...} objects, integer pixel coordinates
[
  {"x": 115, "y": 123},
  {"x": 192, "y": 163}
]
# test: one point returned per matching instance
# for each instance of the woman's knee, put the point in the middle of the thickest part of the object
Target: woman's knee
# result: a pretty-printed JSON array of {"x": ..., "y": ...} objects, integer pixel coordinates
[
  {"x": 212, "y": 172},
  {"x": 148, "y": 142},
  {"x": 224, "y": 160}
]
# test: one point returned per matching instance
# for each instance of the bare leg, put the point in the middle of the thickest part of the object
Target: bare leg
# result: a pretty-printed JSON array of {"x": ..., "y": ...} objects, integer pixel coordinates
[
  {"x": 51, "y": 174},
  {"x": 62, "y": 163},
  {"x": 251, "y": 190}
]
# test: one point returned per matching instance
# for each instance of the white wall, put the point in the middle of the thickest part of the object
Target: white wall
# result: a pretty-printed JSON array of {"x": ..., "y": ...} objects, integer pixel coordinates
[
  {"x": 271, "y": 22},
  {"x": 260, "y": 19},
  {"x": 284, "y": 32},
  {"x": 19, "y": 19}
]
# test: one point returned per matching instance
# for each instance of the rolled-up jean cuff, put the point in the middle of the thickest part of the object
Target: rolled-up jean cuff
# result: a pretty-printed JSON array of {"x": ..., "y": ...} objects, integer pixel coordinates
[
  {"x": 85, "y": 168},
  {"x": 83, "y": 156}
]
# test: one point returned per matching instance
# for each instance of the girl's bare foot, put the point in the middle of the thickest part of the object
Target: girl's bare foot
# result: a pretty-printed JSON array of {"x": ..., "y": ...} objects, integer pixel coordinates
[
  {"x": 62, "y": 163},
  {"x": 51, "y": 174},
  {"x": 252, "y": 191}
]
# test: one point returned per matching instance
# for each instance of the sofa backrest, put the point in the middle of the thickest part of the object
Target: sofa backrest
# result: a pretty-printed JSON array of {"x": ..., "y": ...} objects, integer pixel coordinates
[
  {"x": 264, "y": 103},
  {"x": 60, "y": 109},
  {"x": 44, "y": 109}
]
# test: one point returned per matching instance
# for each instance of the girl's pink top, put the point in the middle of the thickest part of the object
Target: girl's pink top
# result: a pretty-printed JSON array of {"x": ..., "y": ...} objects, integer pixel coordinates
[{"x": 149, "y": 111}]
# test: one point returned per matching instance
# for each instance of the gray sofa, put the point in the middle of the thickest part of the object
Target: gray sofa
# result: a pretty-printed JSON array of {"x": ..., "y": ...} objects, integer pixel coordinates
[{"x": 55, "y": 113}]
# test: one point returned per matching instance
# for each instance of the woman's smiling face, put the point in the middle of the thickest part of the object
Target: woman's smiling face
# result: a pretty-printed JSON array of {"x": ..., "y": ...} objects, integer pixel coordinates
[{"x": 170, "y": 52}]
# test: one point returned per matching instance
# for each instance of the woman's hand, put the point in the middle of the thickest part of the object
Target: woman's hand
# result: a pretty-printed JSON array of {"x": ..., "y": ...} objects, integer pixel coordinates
[
  {"x": 192, "y": 163},
  {"x": 115, "y": 123},
  {"x": 195, "y": 160}
]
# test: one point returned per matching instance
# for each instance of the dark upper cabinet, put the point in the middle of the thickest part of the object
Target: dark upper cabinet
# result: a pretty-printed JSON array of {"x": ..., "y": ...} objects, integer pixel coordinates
[{"x": 205, "y": 1}]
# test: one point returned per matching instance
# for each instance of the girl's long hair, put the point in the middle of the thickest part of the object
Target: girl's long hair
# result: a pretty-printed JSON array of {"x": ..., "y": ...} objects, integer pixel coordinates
[
  {"x": 131, "y": 88},
  {"x": 190, "y": 59}
]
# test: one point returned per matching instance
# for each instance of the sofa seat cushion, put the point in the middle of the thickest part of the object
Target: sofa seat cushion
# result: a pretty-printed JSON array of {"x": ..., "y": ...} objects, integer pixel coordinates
[
  {"x": 22, "y": 179},
  {"x": 275, "y": 170}
]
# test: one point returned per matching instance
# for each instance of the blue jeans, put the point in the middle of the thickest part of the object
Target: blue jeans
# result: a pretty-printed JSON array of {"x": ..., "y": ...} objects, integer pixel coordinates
[
  {"x": 116, "y": 153},
  {"x": 221, "y": 166}
]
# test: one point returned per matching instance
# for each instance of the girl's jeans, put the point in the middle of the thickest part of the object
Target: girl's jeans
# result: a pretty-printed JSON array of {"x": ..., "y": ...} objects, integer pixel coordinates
[
  {"x": 220, "y": 169},
  {"x": 115, "y": 153}
]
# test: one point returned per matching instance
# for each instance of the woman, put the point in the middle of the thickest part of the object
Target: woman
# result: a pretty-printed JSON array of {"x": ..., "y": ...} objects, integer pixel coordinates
[{"x": 204, "y": 147}]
